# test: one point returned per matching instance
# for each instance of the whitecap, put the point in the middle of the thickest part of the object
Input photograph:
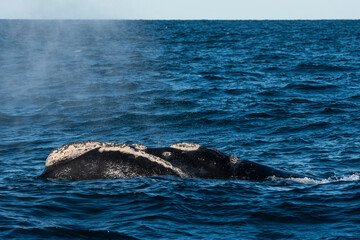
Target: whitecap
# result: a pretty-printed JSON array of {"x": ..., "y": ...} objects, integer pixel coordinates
[{"x": 307, "y": 180}]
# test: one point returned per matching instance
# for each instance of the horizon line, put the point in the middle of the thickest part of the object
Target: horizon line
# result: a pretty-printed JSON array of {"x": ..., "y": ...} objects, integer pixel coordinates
[{"x": 182, "y": 19}]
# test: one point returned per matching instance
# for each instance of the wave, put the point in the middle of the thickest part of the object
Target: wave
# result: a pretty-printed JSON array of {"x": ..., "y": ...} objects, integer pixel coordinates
[
  {"x": 273, "y": 56},
  {"x": 4, "y": 117},
  {"x": 310, "y": 87},
  {"x": 307, "y": 127},
  {"x": 259, "y": 115},
  {"x": 355, "y": 97},
  {"x": 269, "y": 93},
  {"x": 311, "y": 67},
  {"x": 308, "y": 180},
  {"x": 63, "y": 232},
  {"x": 332, "y": 111}
]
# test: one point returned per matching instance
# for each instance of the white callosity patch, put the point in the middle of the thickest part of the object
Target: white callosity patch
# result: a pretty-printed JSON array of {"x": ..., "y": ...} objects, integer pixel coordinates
[
  {"x": 233, "y": 161},
  {"x": 113, "y": 145},
  {"x": 139, "y": 146},
  {"x": 74, "y": 150},
  {"x": 166, "y": 154},
  {"x": 71, "y": 151},
  {"x": 186, "y": 146},
  {"x": 139, "y": 153}
]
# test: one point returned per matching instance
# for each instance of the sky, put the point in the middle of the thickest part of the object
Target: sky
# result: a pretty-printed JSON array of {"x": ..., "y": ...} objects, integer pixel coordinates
[{"x": 179, "y": 9}]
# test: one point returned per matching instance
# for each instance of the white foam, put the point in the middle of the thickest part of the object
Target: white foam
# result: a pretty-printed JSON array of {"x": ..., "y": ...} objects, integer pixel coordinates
[
  {"x": 307, "y": 180},
  {"x": 186, "y": 146}
]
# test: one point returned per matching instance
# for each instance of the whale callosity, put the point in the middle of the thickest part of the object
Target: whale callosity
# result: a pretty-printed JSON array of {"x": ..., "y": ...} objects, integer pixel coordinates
[{"x": 97, "y": 160}]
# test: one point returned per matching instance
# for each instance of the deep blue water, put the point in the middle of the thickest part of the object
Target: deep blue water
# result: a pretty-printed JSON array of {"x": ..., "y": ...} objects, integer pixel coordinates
[{"x": 281, "y": 93}]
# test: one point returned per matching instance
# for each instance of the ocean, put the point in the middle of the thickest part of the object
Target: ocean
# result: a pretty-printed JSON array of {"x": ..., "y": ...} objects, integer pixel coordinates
[{"x": 281, "y": 93}]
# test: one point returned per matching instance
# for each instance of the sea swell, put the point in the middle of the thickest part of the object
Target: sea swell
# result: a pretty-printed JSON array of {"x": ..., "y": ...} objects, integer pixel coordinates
[{"x": 280, "y": 93}]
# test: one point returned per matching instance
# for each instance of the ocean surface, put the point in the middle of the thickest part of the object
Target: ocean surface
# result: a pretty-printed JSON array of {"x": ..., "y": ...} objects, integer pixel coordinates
[{"x": 281, "y": 93}]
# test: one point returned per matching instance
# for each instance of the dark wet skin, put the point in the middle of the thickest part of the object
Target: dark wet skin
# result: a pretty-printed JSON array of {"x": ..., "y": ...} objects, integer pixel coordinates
[{"x": 200, "y": 163}]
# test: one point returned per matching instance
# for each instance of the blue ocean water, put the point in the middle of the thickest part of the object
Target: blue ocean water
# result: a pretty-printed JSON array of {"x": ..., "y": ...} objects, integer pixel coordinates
[{"x": 281, "y": 93}]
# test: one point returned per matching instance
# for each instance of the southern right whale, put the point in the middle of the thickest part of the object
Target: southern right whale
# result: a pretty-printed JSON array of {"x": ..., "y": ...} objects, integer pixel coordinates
[{"x": 95, "y": 160}]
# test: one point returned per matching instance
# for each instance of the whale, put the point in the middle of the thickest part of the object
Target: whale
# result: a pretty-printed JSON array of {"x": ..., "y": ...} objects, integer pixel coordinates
[{"x": 97, "y": 160}]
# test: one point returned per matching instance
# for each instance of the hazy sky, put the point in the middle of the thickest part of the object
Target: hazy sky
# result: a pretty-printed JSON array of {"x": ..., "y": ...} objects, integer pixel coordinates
[{"x": 180, "y": 9}]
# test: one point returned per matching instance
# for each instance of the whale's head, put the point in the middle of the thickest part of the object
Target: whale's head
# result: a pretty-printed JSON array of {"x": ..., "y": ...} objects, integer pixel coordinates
[
  {"x": 71, "y": 151},
  {"x": 76, "y": 149}
]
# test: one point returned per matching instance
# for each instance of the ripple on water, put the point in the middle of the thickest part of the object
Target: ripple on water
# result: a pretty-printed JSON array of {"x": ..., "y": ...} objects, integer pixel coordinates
[{"x": 281, "y": 93}]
